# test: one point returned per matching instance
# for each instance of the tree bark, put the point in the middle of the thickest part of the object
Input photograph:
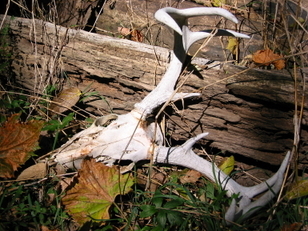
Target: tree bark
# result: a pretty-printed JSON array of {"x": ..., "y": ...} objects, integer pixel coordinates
[{"x": 247, "y": 112}]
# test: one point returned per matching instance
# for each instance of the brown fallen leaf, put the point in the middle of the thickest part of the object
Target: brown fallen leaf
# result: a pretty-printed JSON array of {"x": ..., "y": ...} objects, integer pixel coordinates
[
  {"x": 45, "y": 228},
  {"x": 17, "y": 142},
  {"x": 136, "y": 36},
  {"x": 157, "y": 179},
  {"x": 124, "y": 31},
  {"x": 33, "y": 172},
  {"x": 132, "y": 34},
  {"x": 191, "y": 176},
  {"x": 292, "y": 227},
  {"x": 65, "y": 100},
  {"x": 267, "y": 57}
]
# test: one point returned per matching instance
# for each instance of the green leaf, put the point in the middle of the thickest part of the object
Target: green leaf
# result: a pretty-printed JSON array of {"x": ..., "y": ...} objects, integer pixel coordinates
[
  {"x": 52, "y": 125},
  {"x": 161, "y": 218},
  {"x": 210, "y": 191},
  {"x": 147, "y": 211},
  {"x": 173, "y": 203},
  {"x": 158, "y": 201},
  {"x": 174, "y": 218},
  {"x": 67, "y": 119}
]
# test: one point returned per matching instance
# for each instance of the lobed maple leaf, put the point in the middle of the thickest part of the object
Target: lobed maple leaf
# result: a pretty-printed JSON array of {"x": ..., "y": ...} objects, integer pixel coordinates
[
  {"x": 95, "y": 192},
  {"x": 17, "y": 143}
]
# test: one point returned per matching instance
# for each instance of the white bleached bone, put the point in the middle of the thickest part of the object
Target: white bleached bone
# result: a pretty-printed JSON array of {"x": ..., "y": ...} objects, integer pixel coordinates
[
  {"x": 133, "y": 137},
  {"x": 238, "y": 210},
  {"x": 183, "y": 38}
]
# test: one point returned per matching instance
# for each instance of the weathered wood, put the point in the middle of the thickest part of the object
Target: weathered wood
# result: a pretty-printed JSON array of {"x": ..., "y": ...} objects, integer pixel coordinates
[{"x": 250, "y": 114}]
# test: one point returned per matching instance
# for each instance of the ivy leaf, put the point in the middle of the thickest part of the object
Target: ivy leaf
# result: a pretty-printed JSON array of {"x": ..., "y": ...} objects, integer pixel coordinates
[
  {"x": 17, "y": 143},
  {"x": 95, "y": 192}
]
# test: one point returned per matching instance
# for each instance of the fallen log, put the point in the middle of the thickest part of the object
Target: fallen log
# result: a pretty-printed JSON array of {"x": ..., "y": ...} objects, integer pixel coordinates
[{"x": 246, "y": 112}]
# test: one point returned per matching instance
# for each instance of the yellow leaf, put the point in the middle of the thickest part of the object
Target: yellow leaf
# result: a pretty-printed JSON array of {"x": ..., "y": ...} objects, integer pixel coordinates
[
  {"x": 232, "y": 45},
  {"x": 218, "y": 3},
  {"x": 227, "y": 165},
  {"x": 95, "y": 192},
  {"x": 17, "y": 142},
  {"x": 297, "y": 189}
]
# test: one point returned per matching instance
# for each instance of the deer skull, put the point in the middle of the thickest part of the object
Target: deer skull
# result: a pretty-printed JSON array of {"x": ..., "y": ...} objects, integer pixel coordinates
[{"x": 133, "y": 137}]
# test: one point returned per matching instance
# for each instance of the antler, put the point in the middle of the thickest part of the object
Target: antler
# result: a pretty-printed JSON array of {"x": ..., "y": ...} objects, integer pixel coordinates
[
  {"x": 183, "y": 38},
  {"x": 129, "y": 137},
  {"x": 184, "y": 156}
]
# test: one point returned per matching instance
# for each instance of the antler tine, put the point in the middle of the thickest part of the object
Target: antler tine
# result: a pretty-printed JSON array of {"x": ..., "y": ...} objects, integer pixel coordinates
[
  {"x": 176, "y": 19},
  {"x": 184, "y": 156},
  {"x": 272, "y": 185}
]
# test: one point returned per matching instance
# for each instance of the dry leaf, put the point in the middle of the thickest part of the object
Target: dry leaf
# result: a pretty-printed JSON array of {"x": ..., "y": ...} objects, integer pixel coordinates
[
  {"x": 267, "y": 57},
  {"x": 17, "y": 142},
  {"x": 124, "y": 31},
  {"x": 66, "y": 182},
  {"x": 204, "y": 2},
  {"x": 65, "y": 100},
  {"x": 45, "y": 228},
  {"x": 136, "y": 36},
  {"x": 97, "y": 187},
  {"x": 227, "y": 165},
  {"x": 297, "y": 189},
  {"x": 292, "y": 227},
  {"x": 218, "y": 3},
  {"x": 33, "y": 172},
  {"x": 191, "y": 176},
  {"x": 279, "y": 64}
]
